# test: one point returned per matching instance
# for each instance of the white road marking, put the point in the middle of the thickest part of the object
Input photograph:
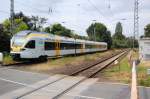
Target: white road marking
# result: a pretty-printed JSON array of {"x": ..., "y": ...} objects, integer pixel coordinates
[
  {"x": 81, "y": 96},
  {"x": 13, "y": 82},
  {"x": 112, "y": 83},
  {"x": 26, "y": 71}
]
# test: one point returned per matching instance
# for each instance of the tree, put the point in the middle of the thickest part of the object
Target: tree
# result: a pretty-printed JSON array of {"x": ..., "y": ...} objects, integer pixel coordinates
[
  {"x": 4, "y": 40},
  {"x": 21, "y": 22},
  {"x": 58, "y": 29},
  {"x": 99, "y": 32},
  {"x": 119, "y": 40},
  {"x": 118, "y": 29},
  {"x": 90, "y": 31},
  {"x": 108, "y": 39},
  {"x": 130, "y": 41},
  {"x": 47, "y": 29},
  {"x": 19, "y": 25},
  {"x": 37, "y": 23},
  {"x": 118, "y": 32},
  {"x": 147, "y": 31},
  {"x": 24, "y": 18},
  {"x": 96, "y": 31},
  {"x": 34, "y": 23}
]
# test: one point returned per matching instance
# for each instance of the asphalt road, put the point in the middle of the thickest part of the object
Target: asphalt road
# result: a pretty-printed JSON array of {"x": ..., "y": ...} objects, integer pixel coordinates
[{"x": 11, "y": 79}]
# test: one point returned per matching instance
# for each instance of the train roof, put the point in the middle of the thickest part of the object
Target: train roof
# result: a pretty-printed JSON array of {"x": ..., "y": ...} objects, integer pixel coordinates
[
  {"x": 27, "y": 32},
  {"x": 145, "y": 38},
  {"x": 51, "y": 36}
]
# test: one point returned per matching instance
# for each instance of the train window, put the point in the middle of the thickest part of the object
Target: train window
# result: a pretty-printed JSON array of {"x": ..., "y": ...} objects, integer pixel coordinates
[
  {"x": 65, "y": 46},
  {"x": 30, "y": 44},
  {"x": 103, "y": 46},
  {"x": 89, "y": 46},
  {"x": 49, "y": 46},
  {"x": 78, "y": 46}
]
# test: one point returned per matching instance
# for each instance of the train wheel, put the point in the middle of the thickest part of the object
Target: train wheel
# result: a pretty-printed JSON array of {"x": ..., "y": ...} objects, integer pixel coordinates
[{"x": 43, "y": 58}]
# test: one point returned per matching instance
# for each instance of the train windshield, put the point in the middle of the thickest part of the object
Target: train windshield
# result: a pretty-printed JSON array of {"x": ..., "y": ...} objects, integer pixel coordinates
[
  {"x": 18, "y": 41},
  {"x": 19, "y": 38}
]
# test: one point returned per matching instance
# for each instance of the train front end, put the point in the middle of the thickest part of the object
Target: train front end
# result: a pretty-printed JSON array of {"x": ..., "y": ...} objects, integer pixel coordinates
[{"x": 17, "y": 45}]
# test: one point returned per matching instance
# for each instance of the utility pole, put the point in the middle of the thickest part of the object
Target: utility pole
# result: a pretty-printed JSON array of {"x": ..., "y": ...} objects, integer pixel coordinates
[
  {"x": 136, "y": 21},
  {"x": 11, "y": 16},
  {"x": 94, "y": 31},
  {"x": 94, "y": 35}
]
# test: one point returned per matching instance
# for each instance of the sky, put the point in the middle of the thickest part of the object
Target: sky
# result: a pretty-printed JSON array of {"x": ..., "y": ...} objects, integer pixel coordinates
[{"x": 79, "y": 14}]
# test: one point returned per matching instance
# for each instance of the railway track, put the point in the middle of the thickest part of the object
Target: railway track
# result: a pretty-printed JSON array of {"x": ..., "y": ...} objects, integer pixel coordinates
[
  {"x": 81, "y": 74},
  {"x": 92, "y": 70},
  {"x": 87, "y": 72},
  {"x": 83, "y": 71},
  {"x": 38, "y": 61}
]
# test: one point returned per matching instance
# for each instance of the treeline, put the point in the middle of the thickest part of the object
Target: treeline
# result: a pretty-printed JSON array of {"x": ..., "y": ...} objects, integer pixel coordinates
[
  {"x": 147, "y": 31},
  {"x": 96, "y": 31},
  {"x": 120, "y": 40},
  {"x": 99, "y": 32},
  {"x": 58, "y": 29},
  {"x": 35, "y": 23}
]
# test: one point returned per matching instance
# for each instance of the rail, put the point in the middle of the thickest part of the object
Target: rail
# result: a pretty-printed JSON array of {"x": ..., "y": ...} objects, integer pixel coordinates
[
  {"x": 92, "y": 73},
  {"x": 65, "y": 90},
  {"x": 134, "y": 89},
  {"x": 88, "y": 67}
]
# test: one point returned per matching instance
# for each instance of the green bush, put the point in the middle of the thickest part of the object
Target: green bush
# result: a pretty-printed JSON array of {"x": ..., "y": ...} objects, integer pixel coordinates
[
  {"x": 145, "y": 82},
  {"x": 7, "y": 59}
]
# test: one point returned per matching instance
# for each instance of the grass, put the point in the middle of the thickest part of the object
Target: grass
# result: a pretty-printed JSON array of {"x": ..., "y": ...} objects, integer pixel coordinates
[
  {"x": 120, "y": 72},
  {"x": 75, "y": 60},
  {"x": 65, "y": 61},
  {"x": 143, "y": 77},
  {"x": 123, "y": 74},
  {"x": 117, "y": 73},
  {"x": 7, "y": 59},
  {"x": 135, "y": 54}
]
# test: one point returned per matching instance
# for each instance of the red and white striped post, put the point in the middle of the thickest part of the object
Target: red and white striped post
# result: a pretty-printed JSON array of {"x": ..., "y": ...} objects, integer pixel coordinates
[{"x": 134, "y": 90}]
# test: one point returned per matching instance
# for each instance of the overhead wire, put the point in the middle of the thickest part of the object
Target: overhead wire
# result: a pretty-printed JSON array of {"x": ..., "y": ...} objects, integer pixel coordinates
[
  {"x": 4, "y": 12},
  {"x": 98, "y": 10},
  {"x": 90, "y": 2},
  {"x": 26, "y": 5},
  {"x": 50, "y": 10},
  {"x": 109, "y": 8}
]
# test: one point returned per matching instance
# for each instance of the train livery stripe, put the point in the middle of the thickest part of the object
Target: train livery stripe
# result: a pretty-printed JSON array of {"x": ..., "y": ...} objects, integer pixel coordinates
[
  {"x": 57, "y": 44},
  {"x": 37, "y": 35}
]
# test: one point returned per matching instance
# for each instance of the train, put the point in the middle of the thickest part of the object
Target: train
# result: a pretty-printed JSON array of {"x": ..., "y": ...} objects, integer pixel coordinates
[{"x": 40, "y": 45}]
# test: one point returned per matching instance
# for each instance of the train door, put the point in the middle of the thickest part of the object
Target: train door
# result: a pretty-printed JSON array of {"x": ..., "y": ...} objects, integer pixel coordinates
[
  {"x": 49, "y": 48},
  {"x": 82, "y": 48},
  {"x": 57, "y": 48},
  {"x": 31, "y": 51},
  {"x": 40, "y": 47}
]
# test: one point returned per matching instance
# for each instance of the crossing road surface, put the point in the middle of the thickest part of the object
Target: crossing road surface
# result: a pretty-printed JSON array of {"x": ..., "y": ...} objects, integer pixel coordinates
[{"x": 26, "y": 85}]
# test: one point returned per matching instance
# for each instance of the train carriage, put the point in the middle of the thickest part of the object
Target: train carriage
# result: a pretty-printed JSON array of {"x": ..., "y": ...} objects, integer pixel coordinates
[{"x": 31, "y": 44}]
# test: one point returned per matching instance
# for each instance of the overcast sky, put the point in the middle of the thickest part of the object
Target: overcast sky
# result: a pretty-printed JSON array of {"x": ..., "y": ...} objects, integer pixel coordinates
[{"x": 78, "y": 14}]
